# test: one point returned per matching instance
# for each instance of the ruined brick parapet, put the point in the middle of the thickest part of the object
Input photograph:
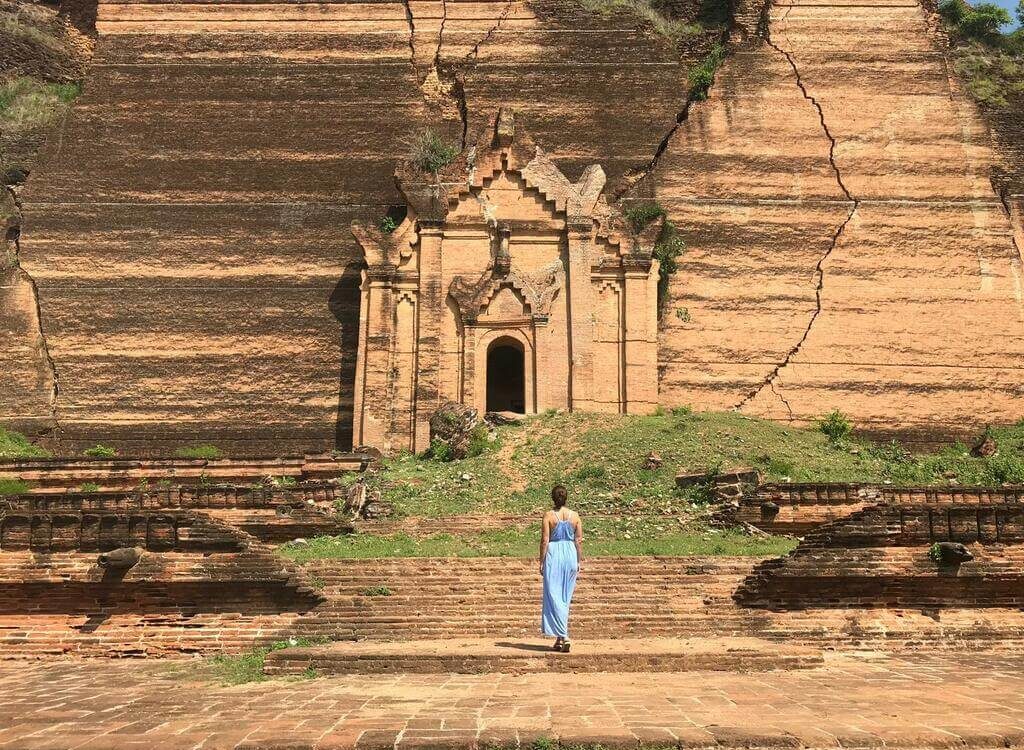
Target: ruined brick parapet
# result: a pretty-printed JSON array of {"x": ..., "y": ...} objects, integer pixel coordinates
[{"x": 882, "y": 556}]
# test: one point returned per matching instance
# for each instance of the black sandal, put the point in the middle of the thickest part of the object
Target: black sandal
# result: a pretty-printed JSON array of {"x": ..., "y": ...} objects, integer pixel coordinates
[
  {"x": 566, "y": 646},
  {"x": 558, "y": 645}
]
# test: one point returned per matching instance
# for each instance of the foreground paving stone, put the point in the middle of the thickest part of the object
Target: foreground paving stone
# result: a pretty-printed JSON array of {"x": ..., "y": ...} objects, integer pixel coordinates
[{"x": 853, "y": 700}]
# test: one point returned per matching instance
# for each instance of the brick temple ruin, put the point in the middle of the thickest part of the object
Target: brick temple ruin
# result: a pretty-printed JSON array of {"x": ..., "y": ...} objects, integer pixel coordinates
[{"x": 507, "y": 287}]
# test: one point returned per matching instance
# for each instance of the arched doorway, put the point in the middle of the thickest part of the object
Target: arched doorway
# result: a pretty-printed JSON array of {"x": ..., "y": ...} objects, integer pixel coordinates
[{"x": 506, "y": 376}]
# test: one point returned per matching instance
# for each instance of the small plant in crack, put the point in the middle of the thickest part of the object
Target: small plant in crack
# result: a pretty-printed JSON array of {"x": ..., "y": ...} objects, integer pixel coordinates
[
  {"x": 703, "y": 76},
  {"x": 388, "y": 225},
  {"x": 667, "y": 248},
  {"x": 378, "y": 591},
  {"x": 430, "y": 152}
]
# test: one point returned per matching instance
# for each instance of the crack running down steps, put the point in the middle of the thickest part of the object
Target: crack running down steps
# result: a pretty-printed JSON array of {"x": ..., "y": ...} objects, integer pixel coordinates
[{"x": 518, "y": 656}]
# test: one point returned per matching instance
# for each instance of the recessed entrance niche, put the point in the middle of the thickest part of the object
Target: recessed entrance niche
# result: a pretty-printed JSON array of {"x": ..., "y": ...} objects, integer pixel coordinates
[
  {"x": 506, "y": 376},
  {"x": 506, "y": 288}
]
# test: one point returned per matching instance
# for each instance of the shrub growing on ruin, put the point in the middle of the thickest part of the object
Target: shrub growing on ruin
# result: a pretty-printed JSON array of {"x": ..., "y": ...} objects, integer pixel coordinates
[
  {"x": 668, "y": 247},
  {"x": 388, "y": 225},
  {"x": 89, "y": 487},
  {"x": 430, "y": 152},
  {"x": 100, "y": 451},
  {"x": 835, "y": 425}
]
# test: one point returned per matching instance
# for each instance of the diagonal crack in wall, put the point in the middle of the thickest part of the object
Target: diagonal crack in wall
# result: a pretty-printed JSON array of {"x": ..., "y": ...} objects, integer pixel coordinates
[{"x": 819, "y": 268}]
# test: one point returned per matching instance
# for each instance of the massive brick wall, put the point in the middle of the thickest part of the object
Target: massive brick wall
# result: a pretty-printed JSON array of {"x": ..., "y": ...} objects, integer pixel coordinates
[
  {"x": 846, "y": 248},
  {"x": 188, "y": 230}
]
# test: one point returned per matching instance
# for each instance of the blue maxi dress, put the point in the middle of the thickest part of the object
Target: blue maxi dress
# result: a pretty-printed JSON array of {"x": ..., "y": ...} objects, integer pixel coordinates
[{"x": 561, "y": 565}]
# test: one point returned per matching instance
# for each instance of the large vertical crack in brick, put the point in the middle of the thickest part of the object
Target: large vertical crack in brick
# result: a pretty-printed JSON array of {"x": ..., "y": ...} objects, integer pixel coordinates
[
  {"x": 452, "y": 75},
  {"x": 410, "y": 20},
  {"x": 770, "y": 381},
  {"x": 25, "y": 277}
]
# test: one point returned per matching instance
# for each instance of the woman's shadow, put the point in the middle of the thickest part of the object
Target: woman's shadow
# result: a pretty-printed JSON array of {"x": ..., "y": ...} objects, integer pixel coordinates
[{"x": 523, "y": 646}]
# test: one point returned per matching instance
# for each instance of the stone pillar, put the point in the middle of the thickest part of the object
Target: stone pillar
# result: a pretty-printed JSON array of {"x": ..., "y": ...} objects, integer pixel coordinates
[
  {"x": 371, "y": 409},
  {"x": 581, "y": 314},
  {"x": 430, "y": 319},
  {"x": 641, "y": 336}
]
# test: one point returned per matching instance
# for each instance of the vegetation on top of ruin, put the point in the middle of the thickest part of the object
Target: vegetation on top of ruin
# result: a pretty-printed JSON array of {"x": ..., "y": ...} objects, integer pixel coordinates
[
  {"x": 629, "y": 507},
  {"x": 990, "y": 60},
  {"x": 657, "y": 14},
  {"x": 600, "y": 458},
  {"x": 40, "y": 75},
  {"x": 671, "y": 19}
]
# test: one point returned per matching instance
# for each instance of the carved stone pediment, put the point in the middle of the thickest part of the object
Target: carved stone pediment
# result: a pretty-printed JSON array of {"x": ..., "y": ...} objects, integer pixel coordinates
[{"x": 473, "y": 295}]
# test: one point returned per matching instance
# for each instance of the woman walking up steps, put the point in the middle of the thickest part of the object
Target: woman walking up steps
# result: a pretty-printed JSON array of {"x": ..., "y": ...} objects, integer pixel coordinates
[{"x": 561, "y": 551}]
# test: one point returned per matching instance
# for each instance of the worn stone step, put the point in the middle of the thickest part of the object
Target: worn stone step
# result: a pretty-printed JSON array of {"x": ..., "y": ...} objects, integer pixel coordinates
[{"x": 469, "y": 656}]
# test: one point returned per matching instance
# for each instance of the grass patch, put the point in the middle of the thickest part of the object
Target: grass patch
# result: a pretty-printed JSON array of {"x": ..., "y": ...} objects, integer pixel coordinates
[
  {"x": 599, "y": 458},
  {"x": 27, "y": 103},
  {"x": 643, "y": 535},
  {"x": 15, "y": 445},
  {"x": 100, "y": 451},
  {"x": 199, "y": 451},
  {"x": 378, "y": 591},
  {"x": 656, "y": 14},
  {"x": 239, "y": 669},
  {"x": 13, "y": 487}
]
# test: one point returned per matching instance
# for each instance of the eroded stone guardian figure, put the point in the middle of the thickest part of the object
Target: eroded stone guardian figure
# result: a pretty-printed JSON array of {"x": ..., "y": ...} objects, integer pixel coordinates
[{"x": 561, "y": 552}]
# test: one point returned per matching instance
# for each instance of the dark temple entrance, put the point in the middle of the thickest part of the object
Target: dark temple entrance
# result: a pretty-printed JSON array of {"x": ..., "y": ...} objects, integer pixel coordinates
[{"x": 506, "y": 378}]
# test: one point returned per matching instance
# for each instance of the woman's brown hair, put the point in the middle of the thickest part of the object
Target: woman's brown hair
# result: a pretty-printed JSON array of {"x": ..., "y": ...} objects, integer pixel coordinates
[{"x": 559, "y": 496}]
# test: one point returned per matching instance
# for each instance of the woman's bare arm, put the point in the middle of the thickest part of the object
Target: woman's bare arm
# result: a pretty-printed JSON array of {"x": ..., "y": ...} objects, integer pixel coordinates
[
  {"x": 579, "y": 539},
  {"x": 545, "y": 537}
]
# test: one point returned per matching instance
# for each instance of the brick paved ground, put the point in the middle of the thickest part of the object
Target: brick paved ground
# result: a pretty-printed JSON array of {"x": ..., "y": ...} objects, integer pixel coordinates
[{"x": 853, "y": 701}]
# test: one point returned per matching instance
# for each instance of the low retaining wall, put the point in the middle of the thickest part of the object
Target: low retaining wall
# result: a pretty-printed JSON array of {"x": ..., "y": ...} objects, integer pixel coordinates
[{"x": 114, "y": 473}]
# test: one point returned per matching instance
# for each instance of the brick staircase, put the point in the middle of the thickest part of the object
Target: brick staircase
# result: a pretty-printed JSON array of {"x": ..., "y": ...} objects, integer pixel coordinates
[
  {"x": 198, "y": 585},
  {"x": 632, "y": 597}
]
